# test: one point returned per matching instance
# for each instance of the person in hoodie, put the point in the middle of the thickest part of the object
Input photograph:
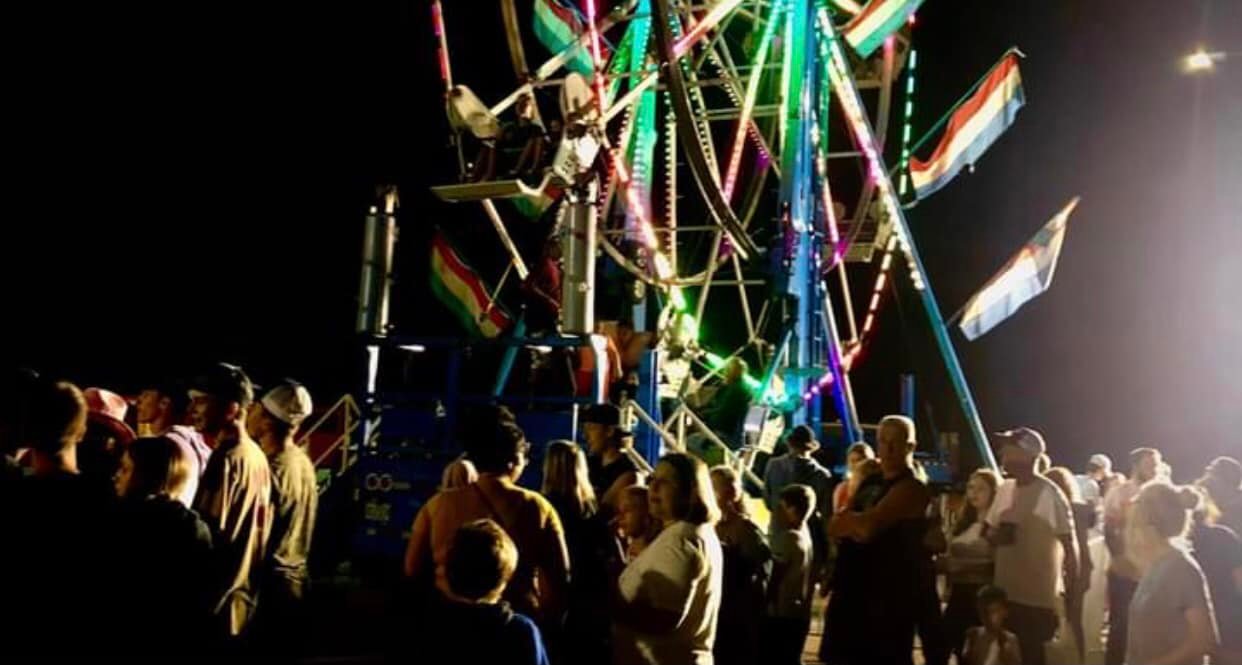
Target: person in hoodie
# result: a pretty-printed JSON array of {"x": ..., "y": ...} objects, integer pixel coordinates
[
  {"x": 164, "y": 549},
  {"x": 475, "y": 625}
]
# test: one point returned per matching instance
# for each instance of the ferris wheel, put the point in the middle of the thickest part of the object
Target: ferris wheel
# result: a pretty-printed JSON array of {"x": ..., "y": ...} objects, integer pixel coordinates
[{"x": 734, "y": 144}]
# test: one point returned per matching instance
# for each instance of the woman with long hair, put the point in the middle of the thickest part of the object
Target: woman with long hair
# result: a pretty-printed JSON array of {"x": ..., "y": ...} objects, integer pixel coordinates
[
  {"x": 668, "y": 597},
  {"x": 592, "y": 549},
  {"x": 164, "y": 551},
  {"x": 969, "y": 559},
  {"x": 857, "y": 455},
  {"x": 1171, "y": 616},
  {"x": 1219, "y": 553}
]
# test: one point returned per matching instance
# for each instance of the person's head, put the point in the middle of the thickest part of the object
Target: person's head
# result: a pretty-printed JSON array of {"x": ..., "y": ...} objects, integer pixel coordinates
[
  {"x": 107, "y": 435},
  {"x": 1064, "y": 479},
  {"x": 895, "y": 443},
  {"x": 1099, "y": 467},
  {"x": 56, "y": 420},
  {"x": 1222, "y": 478},
  {"x": 501, "y": 451},
  {"x": 278, "y": 414},
  {"x": 1144, "y": 463},
  {"x": 218, "y": 397},
  {"x": 857, "y": 454},
  {"x": 459, "y": 473},
  {"x": 981, "y": 490},
  {"x": 635, "y": 514},
  {"x": 727, "y": 486},
  {"x": 1160, "y": 518},
  {"x": 734, "y": 370},
  {"x": 565, "y": 477},
  {"x": 796, "y": 505},
  {"x": 993, "y": 606},
  {"x": 154, "y": 466},
  {"x": 160, "y": 405},
  {"x": 481, "y": 559},
  {"x": 1019, "y": 451},
  {"x": 682, "y": 491},
  {"x": 602, "y": 427},
  {"x": 801, "y": 441}
]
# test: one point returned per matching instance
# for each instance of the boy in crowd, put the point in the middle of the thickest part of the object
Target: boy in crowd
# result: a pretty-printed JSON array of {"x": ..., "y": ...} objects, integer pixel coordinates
[
  {"x": 789, "y": 595},
  {"x": 990, "y": 643}
]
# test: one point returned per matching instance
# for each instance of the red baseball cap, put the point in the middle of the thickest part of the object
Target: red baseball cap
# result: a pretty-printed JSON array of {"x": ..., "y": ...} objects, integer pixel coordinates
[{"x": 108, "y": 409}]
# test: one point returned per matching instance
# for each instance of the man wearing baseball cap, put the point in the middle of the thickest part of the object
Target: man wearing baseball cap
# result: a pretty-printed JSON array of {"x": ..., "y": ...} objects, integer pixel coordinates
[
  {"x": 1031, "y": 525},
  {"x": 274, "y": 421},
  {"x": 611, "y": 468},
  {"x": 234, "y": 495}
]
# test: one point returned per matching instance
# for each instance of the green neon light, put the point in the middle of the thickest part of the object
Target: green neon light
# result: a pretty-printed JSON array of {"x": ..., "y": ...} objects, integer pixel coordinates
[{"x": 904, "y": 167}]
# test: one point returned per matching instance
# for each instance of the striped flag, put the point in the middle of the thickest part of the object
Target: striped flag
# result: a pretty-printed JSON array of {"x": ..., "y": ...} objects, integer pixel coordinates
[
  {"x": 461, "y": 289},
  {"x": 558, "y": 27},
  {"x": 974, "y": 126},
  {"x": 879, "y": 19},
  {"x": 1026, "y": 275}
]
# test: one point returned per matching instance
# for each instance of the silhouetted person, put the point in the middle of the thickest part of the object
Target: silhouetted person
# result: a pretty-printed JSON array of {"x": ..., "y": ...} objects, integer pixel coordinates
[
  {"x": 1123, "y": 573},
  {"x": 474, "y": 626},
  {"x": 788, "y": 617},
  {"x": 610, "y": 466},
  {"x": 234, "y": 496},
  {"x": 107, "y": 435},
  {"x": 165, "y": 553},
  {"x": 747, "y": 566},
  {"x": 273, "y": 422}
]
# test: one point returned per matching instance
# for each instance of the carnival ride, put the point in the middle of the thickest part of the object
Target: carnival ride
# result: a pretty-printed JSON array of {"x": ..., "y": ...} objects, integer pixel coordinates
[{"x": 727, "y": 160}]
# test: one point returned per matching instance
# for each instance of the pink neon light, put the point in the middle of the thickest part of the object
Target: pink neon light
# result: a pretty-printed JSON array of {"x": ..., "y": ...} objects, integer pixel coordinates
[
  {"x": 709, "y": 21},
  {"x": 437, "y": 23},
  {"x": 589, "y": 5}
]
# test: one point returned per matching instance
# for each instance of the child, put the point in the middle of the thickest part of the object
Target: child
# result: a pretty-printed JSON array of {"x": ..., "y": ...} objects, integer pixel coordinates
[
  {"x": 788, "y": 617},
  {"x": 475, "y": 626},
  {"x": 637, "y": 527},
  {"x": 991, "y": 644},
  {"x": 746, "y": 557}
]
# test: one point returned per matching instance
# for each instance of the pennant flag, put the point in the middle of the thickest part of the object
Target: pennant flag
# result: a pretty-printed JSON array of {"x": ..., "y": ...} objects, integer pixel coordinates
[
  {"x": 558, "y": 27},
  {"x": 879, "y": 19},
  {"x": 974, "y": 126},
  {"x": 461, "y": 289},
  {"x": 1026, "y": 275}
]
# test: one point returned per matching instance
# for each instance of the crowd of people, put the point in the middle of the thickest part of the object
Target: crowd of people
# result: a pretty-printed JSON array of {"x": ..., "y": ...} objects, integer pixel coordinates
[
  {"x": 612, "y": 565},
  {"x": 186, "y": 535},
  {"x": 177, "y": 530}
]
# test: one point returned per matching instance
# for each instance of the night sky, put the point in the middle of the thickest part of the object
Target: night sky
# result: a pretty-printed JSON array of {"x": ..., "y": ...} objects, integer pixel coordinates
[{"x": 187, "y": 183}]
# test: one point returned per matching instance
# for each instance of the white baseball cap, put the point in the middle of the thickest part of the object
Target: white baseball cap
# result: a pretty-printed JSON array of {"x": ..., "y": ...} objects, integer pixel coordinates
[
  {"x": 1101, "y": 461},
  {"x": 288, "y": 402}
]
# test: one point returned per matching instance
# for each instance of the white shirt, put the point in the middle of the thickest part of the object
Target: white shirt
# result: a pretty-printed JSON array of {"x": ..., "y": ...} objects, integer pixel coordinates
[{"x": 680, "y": 571}]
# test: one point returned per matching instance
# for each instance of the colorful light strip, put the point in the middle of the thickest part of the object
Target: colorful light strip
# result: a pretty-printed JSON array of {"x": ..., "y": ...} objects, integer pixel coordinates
[
  {"x": 752, "y": 94},
  {"x": 596, "y": 56},
  {"x": 903, "y": 171},
  {"x": 717, "y": 13},
  {"x": 437, "y": 24}
]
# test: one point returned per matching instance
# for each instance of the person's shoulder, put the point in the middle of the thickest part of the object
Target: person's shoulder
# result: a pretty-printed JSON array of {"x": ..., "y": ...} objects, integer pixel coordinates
[
  {"x": 1046, "y": 485},
  {"x": 526, "y": 635}
]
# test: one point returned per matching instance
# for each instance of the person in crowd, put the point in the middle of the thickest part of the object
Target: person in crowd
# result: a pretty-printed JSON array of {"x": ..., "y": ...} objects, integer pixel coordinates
[
  {"x": 1099, "y": 479},
  {"x": 528, "y": 518},
  {"x": 1218, "y": 551},
  {"x": 107, "y": 435},
  {"x": 1223, "y": 481},
  {"x": 161, "y": 409},
  {"x": 727, "y": 410},
  {"x": 164, "y": 549},
  {"x": 235, "y": 492},
  {"x": 1032, "y": 527},
  {"x": 1123, "y": 574},
  {"x": 459, "y": 473},
  {"x": 1084, "y": 520},
  {"x": 788, "y": 617},
  {"x": 668, "y": 598},
  {"x": 474, "y": 624},
  {"x": 747, "y": 561},
  {"x": 592, "y": 552},
  {"x": 57, "y": 523},
  {"x": 636, "y": 525},
  {"x": 989, "y": 643},
  {"x": 273, "y": 421},
  {"x": 968, "y": 561},
  {"x": 857, "y": 455},
  {"x": 875, "y": 602},
  {"x": 1171, "y": 618},
  {"x": 611, "y": 468},
  {"x": 798, "y": 467}
]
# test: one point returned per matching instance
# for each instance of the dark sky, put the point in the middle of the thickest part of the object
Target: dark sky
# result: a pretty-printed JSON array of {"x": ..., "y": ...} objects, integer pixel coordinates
[{"x": 187, "y": 182}]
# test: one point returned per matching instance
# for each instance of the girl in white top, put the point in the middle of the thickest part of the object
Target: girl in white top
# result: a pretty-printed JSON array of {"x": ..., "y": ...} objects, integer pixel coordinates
[
  {"x": 968, "y": 561},
  {"x": 670, "y": 594}
]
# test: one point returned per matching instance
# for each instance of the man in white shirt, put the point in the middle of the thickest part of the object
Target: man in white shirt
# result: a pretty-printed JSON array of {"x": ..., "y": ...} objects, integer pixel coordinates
[{"x": 1032, "y": 528}]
